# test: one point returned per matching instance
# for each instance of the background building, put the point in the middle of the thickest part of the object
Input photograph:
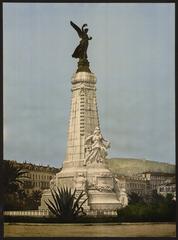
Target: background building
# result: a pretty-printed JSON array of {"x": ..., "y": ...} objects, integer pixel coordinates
[
  {"x": 133, "y": 184},
  {"x": 143, "y": 184},
  {"x": 156, "y": 179},
  {"x": 168, "y": 187},
  {"x": 37, "y": 177}
]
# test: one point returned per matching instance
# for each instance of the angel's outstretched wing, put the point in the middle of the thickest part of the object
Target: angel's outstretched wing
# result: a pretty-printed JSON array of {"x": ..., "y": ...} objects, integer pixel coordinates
[{"x": 76, "y": 28}]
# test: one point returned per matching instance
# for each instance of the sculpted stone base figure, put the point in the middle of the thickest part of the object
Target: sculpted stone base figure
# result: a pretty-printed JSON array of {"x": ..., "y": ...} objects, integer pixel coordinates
[
  {"x": 96, "y": 148},
  {"x": 123, "y": 197},
  {"x": 80, "y": 182}
]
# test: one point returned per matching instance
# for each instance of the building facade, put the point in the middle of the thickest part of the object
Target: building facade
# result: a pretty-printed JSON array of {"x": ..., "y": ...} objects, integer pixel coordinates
[
  {"x": 37, "y": 177},
  {"x": 132, "y": 184},
  {"x": 156, "y": 179},
  {"x": 168, "y": 187},
  {"x": 143, "y": 184}
]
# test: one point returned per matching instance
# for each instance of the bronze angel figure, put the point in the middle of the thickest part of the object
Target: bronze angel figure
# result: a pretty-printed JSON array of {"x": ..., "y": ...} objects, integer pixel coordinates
[{"x": 81, "y": 50}]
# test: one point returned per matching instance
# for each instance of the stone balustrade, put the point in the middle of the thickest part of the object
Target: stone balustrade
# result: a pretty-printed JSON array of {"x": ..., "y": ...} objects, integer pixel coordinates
[
  {"x": 102, "y": 212},
  {"x": 30, "y": 213},
  {"x": 46, "y": 213}
]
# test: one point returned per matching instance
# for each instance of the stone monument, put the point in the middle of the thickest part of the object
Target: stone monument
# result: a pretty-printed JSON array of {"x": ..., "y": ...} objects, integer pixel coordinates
[{"x": 84, "y": 167}]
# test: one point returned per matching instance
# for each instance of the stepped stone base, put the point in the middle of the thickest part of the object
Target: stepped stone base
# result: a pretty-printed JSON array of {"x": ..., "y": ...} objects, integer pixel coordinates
[
  {"x": 103, "y": 200},
  {"x": 97, "y": 183},
  {"x": 101, "y": 188}
]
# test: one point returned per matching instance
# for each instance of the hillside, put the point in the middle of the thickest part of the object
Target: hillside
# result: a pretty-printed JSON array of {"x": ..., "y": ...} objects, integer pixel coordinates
[{"x": 128, "y": 166}]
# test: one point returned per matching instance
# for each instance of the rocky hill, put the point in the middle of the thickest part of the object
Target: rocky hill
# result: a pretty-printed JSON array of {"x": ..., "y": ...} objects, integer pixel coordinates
[{"x": 129, "y": 166}]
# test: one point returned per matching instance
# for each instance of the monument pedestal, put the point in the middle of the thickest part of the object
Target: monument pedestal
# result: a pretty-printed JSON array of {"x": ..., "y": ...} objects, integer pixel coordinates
[
  {"x": 101, "y": 188},
  {"x": 84, "y": 167}
]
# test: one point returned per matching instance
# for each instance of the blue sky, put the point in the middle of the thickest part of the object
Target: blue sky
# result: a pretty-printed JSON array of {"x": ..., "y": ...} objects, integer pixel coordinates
[{"x": 132, "y": 55}]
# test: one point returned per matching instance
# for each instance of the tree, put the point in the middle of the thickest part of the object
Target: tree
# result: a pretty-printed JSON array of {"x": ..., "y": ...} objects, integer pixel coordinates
[
  {"x": 135, "y": 198},
  {"x": 156, "y": 198},
  {"x": 159, "y": 208},
  {"x": 33, "y": 200},
  {"x": 36, "y": 197},
  {"x": 66, "y": 205},
  {"x": 12, "y": 178}
]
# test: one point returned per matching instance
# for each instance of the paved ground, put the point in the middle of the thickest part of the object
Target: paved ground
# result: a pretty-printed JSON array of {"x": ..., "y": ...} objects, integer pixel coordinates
[{"x": 90, "y": 230}]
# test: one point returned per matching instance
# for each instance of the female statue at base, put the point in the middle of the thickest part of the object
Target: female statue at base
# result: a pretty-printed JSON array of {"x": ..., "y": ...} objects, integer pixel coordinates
[{"x": 96, "y": 147}]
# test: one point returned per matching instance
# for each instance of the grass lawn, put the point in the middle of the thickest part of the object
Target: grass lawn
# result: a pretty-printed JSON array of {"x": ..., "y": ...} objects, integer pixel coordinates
[{"x": 90, "y": 230}]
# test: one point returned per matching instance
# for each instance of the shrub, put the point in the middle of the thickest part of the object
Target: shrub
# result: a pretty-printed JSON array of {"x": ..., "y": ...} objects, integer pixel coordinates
[
  {"x": 135, "y": 198},
  {"x": 159, "y": 209}
]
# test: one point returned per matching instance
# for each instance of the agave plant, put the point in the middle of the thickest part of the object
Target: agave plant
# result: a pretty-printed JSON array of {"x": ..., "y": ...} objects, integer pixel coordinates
[{"x": 66, "y": 205}]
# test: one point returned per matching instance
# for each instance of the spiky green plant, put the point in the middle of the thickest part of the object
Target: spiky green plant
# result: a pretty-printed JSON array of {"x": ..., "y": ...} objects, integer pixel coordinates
[{"x": 66, "y": 205}]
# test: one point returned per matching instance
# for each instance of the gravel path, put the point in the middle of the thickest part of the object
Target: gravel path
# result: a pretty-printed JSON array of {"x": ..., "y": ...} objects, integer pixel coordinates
[{"x": 90, "y": 230}]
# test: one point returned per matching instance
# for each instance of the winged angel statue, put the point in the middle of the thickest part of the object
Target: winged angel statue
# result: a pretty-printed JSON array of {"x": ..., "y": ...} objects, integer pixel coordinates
[{"x": 81, "y": 50}]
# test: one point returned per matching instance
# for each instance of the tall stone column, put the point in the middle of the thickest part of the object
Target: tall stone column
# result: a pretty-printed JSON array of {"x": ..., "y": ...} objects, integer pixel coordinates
[{"x": 83, "y": 118}]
